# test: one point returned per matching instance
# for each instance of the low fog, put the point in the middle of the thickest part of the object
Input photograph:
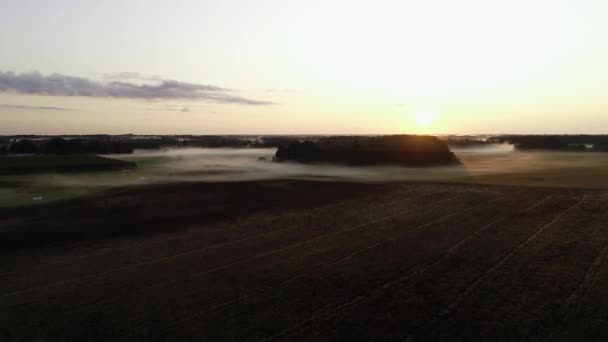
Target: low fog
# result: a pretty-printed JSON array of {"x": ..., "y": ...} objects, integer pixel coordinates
[
  {"x": 206, "y": 164},
  {"x": 492, "y": 164}
]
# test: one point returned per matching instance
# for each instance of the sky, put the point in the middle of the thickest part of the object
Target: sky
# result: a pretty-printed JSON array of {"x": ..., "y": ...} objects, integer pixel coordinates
[{"x": 303, "y": 67}]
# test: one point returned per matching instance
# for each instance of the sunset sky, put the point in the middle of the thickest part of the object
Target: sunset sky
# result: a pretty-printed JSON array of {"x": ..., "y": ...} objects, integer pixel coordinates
[{"x": 283, "y": 66}]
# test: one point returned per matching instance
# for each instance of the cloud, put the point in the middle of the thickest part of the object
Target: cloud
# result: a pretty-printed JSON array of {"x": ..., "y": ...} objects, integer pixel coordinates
[
  {"x": 130, "y": 76},
  {"x": 35, "y": 83},
  {"x": 175, "y": 107},
  {"x": 33, "y": 107},
  {"x": 284, "y": 90}
]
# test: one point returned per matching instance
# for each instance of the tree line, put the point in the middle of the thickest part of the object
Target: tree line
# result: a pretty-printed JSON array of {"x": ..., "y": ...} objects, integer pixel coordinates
[
  {"x": 581, "y": 142},
  {"x": 107, "y": 144}
]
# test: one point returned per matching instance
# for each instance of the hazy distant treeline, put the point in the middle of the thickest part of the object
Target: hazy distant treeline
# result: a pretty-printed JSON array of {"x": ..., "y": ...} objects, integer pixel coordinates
[
  {"x": 116, "y": 144},
  {"x": 107, "y": 144},
  {"x": 468, "y": 142},
  {"x": 209, "y": 141},
  {"x": 65, "y": 146},
  {"x": 556, "y": 142}
]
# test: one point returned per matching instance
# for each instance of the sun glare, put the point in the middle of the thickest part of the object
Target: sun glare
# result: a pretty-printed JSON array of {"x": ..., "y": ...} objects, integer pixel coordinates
[{"x": 423, "y": 118}]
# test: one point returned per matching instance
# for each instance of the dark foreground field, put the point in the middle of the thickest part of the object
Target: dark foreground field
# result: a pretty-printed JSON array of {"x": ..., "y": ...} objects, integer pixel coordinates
[{"x": 308, "y": 261}]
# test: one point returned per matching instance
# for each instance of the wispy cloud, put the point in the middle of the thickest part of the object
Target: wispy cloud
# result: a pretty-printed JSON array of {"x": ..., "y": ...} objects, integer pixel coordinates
[
  {"x": 283, "y": 90},
  {"x": 175, "y": 108},
  {"x": 130, "y": 76},
  {"x": 35, "y": 83},
  {"x": 9, "y": 106}
]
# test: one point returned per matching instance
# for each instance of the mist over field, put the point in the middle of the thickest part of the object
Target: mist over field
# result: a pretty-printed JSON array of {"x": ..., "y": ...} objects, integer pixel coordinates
[
  {"x": 491, "y": 164},
  {"x": 202, "y": 164}
]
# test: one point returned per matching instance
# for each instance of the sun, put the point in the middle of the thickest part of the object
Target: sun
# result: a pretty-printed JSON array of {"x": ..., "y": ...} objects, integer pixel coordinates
[{"x": 423, "y": 118}]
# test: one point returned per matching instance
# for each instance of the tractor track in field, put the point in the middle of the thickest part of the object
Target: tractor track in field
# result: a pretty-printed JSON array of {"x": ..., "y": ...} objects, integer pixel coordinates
[
  {"x": 233, "y": 226},
  {"x": 206, "y": 248},
  {"x": 572, "y": 304},
  {"x": 342, "y": 260},
  {"x": 244, "y": 260},
  {"x": 395, "y": 262},
  {"x": 332, "y": 310},
  {"x": 489, "y": 273},
  {"x": 267, "y": 253}
]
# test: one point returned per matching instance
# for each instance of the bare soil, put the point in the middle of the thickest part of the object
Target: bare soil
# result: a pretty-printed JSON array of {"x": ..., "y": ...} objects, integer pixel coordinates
[{"x": 308, "y": 261}]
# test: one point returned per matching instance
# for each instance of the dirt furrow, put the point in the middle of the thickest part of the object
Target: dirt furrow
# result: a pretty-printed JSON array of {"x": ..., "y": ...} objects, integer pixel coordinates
[
  {"x": 407, "y": 306},
  {"x": 359, "y": 261},
  {"x": 473, "y": 199},
  {"x": 358, "y": 210},
  {"x": 331, "y": 310}
]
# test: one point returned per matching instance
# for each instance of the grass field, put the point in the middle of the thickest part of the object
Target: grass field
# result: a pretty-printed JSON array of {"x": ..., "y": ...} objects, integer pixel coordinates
[{"x": 308, "y": 261}]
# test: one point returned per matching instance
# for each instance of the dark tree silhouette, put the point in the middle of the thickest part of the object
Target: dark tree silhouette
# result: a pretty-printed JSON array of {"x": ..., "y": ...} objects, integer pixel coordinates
[{"x": 407, "y": 150}]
